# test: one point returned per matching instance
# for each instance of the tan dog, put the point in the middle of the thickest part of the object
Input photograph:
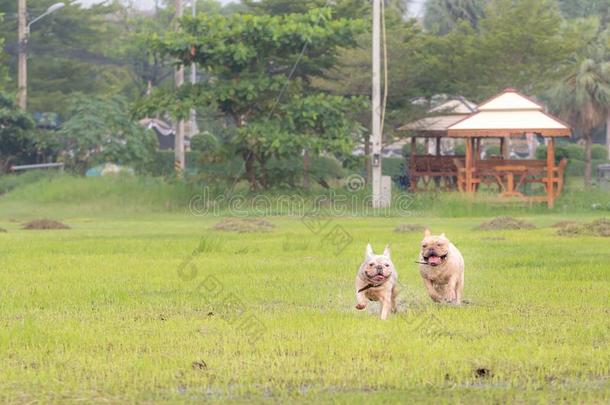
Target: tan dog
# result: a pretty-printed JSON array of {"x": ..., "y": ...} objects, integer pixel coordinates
[
  {"x": 376, "y": 281},
  {"x": 442, "y": 268}
]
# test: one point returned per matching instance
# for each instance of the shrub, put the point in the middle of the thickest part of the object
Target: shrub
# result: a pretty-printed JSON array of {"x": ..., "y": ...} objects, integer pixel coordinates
[
  {"x": 460, "y": 149},
  {"x": 162, "y": 164},
  {"x": 391, "y": 166},
  {"x": 289, "y": 172},
  {"x": 599, "y": 152},
  {"x": 570, "y": 151},
  {"x": 101, "y": 130},
  {"x": 492, "y": 150},
  {"x": 406, "y": 149},
  {"x": 577, "y": 167}
]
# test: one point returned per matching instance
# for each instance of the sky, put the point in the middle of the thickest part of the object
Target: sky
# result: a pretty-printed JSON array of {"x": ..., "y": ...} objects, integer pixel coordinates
[
  {"x": 143, "y": 4},
  {"x": 414, "y": 9}
]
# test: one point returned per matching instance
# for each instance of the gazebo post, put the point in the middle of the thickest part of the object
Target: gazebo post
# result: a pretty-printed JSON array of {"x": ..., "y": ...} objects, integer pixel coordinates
[
  {"x": 412, "y": 153},
  {"x": 468, "y": 162},
  {"x": 503, "y": 148},
  {"x": 550, "y": 172},
  {"x": 426, "y": 145},
  {"x": 413, "y": 146},
  {"x": 477, "y": 153},
  {"x": 438, "y": 146}
]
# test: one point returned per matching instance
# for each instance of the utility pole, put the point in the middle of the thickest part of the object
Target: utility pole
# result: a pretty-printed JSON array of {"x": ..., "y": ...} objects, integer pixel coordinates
[
  {"x": 376, "y": 106},
  {"x": 608, "y": 133},
  {"x": 193, "y": 116},
  {"x": 179, "y": 162},
  {"x": 22, "y": 64}
]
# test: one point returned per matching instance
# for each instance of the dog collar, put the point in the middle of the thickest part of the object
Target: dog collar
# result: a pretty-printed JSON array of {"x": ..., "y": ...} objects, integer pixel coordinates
[{"x": 366, "y": 287}]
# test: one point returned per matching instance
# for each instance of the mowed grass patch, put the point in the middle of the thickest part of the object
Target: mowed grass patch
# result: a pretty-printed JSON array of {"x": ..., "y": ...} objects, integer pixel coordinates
[{"x": 119, "y": 310}]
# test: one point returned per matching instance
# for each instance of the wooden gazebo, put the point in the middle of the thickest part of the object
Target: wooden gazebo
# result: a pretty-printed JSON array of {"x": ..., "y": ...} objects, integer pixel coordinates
[
  {"x": 435, "y": 169},
  {"x": 510, "y": 114}
]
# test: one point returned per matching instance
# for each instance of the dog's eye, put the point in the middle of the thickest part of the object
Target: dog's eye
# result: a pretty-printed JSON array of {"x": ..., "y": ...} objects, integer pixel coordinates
[
  {"x": 371, "y": 264},
  {"x": 387, "y": 265},
  {"x": 424, "y": 245}
]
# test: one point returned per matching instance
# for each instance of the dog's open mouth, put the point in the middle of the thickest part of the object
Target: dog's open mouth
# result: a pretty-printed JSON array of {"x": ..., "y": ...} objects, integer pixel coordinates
[
  {"x": 378, "y": 278},
  {"x": 434, "y": 260}
]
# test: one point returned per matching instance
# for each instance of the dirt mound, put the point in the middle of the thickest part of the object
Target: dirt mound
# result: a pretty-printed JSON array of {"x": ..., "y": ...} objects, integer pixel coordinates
[
  {"x": 500, "y": 223},
  {"x": 599, "y": 227},
  {"x": 563, "y": 224},
  {"x": 404, "y": 228},
  {"x": 2, "y": 230},
  {"x": 242, "y": 225},
  {"x": 45, "y": 224}
]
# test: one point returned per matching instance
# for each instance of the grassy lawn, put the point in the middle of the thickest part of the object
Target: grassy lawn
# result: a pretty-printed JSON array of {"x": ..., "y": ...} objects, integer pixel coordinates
[{"x": 162, "y": 307}]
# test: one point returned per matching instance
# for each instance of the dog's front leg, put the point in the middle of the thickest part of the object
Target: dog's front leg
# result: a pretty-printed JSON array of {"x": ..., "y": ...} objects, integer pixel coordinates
[
  {"x": 386, "y": 304},
  {"x": 394, "y": 299},
  {"x": 361, "y": 299},
  {"x": 452, "y": 294},
  {"x": 436, "y": 297}
]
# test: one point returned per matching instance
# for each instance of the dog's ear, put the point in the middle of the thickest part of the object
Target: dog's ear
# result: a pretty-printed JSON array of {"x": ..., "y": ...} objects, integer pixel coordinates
[
  {"x": 369, "y": 252},
  {"x": 386, "y": 251},
  {"x": 443, "y": 235},
  {"x": 427, "y": 233}
]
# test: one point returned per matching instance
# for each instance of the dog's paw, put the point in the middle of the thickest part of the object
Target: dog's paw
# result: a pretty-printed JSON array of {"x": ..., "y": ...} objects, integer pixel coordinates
[{"x": 360, "y": 307}]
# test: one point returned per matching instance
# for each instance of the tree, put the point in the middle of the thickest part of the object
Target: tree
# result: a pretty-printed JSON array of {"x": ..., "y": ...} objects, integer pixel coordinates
[
  {"x": 583, "y": 97},
  {"x": 521, "y": 45},
  {"x": 75, "y": 50},
  {"x": 249, "y": 60},
  {"x": 4, "y": 78},
  {"x": 442, "y": 16},
  {"x": 16, "y": 144},
  {"x": 101, "y": 130},
  {"x": 586, "y": 8}
]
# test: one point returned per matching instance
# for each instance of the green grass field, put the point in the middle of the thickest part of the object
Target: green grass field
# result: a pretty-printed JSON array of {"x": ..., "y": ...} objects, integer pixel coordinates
[{"x": 161, "y": 307}]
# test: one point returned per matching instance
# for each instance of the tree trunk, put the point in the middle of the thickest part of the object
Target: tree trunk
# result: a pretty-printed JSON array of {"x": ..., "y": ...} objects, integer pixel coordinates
[
  {"x": 306, "y": 167},
  {"x": 264, "y": 178},
  {"x": 608, "y": 133},
  {"x": 367, "y": 158},
  {"x": 250, "y": 175},
  {"x": 588, "y": 160}
]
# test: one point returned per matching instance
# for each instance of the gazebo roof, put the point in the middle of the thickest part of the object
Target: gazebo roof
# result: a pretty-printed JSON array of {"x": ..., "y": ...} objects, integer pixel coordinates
[
  {"x": 434, "y": 126},
  {"x": 509, "y": 114},
  {"x": 455, "y": 106}
]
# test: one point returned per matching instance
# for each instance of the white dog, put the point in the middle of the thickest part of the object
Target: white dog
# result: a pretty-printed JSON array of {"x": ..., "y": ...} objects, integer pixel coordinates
[{"x": 377, "y": 281}]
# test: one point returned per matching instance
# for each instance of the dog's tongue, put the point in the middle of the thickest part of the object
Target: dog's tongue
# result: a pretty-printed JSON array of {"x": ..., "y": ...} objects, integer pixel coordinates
[{"x": 434, "y": 260}]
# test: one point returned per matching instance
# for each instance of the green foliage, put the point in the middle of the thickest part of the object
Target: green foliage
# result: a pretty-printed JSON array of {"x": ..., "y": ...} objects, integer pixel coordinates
[
  {"x": 162, "y": 163},
  {"x": 287, "y": 173},
  {"x": 492, "y": 150},
  {"x": 570, "y": 151},
  {"x": 16, "y": 143},
  {"x": 10, "y": 182},
  {"x": 442, "y": 16},
  {"x": 577, "y": 167},
  {"x": 4, "y": 78},
  {"x": 124, "y": 194},
  {"x": 419, "y": 149},
  {"x": 599, "y": 152},
  {"x": 520, "y": 45},
  {"x": 247, "y": 76},
  {"x": 582, "y": 97},
  {"x": 575, "y": 154},
  {"x": 585, "y": 8},
  {"x": 75, "y": 49},
  {"x": 101, "y": 130}
]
